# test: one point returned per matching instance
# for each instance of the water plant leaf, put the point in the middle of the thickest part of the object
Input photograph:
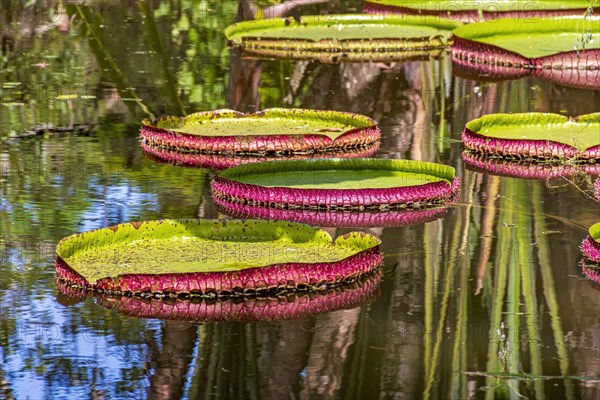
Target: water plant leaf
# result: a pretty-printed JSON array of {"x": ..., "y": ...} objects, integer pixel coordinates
[
  {"x": 268, "y": 131},
  {"x": 336, "y": 184},
  {"x": 538, "y": 136},
  {"x": 348, "y": 37},
  {"x": 473, "y": 10},
  {"x": 541, "y": 43},
  {"x": 176, "y": 256}
]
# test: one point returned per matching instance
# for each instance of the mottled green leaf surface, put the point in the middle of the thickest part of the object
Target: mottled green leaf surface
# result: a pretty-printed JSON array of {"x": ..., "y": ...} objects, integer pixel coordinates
[
  {"x": 595, "y": 232},
  {"x": 189, "y": 246},
  {"x": 536, "y": 37},
  {"x": 582, "y": 133},
  {"x": 276, "y": 121}
]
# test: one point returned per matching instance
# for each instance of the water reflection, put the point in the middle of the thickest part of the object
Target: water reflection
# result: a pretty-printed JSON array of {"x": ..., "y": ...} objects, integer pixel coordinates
[{"x": 487, "y": 302}]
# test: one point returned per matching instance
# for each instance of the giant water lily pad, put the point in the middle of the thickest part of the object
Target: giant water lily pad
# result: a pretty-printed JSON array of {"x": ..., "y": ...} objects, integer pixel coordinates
[
  {"x": 591, "y": 245},
  {"x": 336, "y": 184},
  {"x": 211, "y": 257},
  {"x": 268, "y": 306},
  {"x": 560, "y": 49},
  {"x": 272, "y": 131},
  {"x": 535, "y": 136},
  {"x": 475, "y": 10},
  {"x": 348, "y": 37},
  {"x": 224, "y": 161}
]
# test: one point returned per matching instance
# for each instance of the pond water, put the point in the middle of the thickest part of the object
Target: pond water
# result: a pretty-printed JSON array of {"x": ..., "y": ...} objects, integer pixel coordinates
[{"x": 488, "y": 301}]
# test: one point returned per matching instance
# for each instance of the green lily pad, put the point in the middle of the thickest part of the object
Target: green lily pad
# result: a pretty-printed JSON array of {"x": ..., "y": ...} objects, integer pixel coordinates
[
  {"x": 591, "y": 248},
  {"x": 341, "y": 37},
  {"x": 536, "y": 135},
  {"x": 479, "y": 5},
  {"x": 210, "y": 255},
  {"x": 335, "y": 184},
  {"x": 271, "y": 130},
  {"x": 532, "y": 38}
]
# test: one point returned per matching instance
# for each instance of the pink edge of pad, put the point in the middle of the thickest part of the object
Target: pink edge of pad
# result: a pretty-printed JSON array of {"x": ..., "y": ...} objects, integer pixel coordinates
[
  {"x": 252, "y": 278},
  {"x": 470, "y": 52},
  {"x": 531, "y": 170},
  {"x": 269, "y": 143},
  {"x": 597, "y": 188},
  {"x": 538, "y": 149},
  {"x": 252, "y": 309},
  {"x": 331, "y": 218},
  {"x": 467, "y": 15},
  {"x": 221, "y": 162},
  {"x": 591, "y": 249},
  {"x": 335, "y": 197},
  {"x": 592, "y": 273}
]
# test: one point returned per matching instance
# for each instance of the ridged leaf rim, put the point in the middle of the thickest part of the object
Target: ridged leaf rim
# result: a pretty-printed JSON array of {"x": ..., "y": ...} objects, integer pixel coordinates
[
  {"x": 548, "y": 150},
  {"x": 364, "y": 257},
  {"x": 267, "y": 306},
  {"x": 159, "y": 133},
  {"x": 227, "y": 188},
  {"x": 591, "y": 245}
]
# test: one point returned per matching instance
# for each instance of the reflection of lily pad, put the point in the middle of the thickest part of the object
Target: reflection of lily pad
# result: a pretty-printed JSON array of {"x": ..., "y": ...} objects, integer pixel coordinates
[
  {"x": 272, "y": 131},
  {"x": 544, "y": 46},
  {"x": 336, "y": 184},
  {"x": 342, "y": 37},
  {"x": 591, "y": 245},
  {"x": 259, "y": 307},
  {"x": 343, "y": 219},
  {"x": 220, "y": 161},
  {"x": 535, "y": 136},
  {"x": 474, "y": 10},
  {"x": 523, "y": 169},
  {"x": 212, "y": 257}
]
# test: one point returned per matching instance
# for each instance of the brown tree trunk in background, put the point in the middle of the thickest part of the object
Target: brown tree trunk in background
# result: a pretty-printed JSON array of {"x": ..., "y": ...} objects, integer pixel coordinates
[{"x": 172, "y": 362}]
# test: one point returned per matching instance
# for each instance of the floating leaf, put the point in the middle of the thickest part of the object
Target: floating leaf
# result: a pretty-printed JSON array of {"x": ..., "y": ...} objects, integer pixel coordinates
[
  {"x": 334, "y": 38},
  {"x": 271, "y": 131},
  {"x": 335, "y": 184},
  {"x": 535, "y": 136},
  {"x": 212, "y": 257}
]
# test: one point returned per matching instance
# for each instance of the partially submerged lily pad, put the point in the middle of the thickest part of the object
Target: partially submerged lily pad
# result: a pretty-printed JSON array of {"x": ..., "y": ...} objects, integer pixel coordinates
[
  {"x": 524, "y": 169},
  {"x": 268, "y": 306},
  {"x": 535, "y": 136},
  {"x": 475, "y": 10},
  {"x": 548, "y": 47},
  {"x": 221, "y": 161},
  {"x": 272, "y": 131},
  {"x": 591, "y": 245},
  {"x": 349, "y": 37},
  {"x": 336, "y": 184},
  {"x": 212, "y": 257}
]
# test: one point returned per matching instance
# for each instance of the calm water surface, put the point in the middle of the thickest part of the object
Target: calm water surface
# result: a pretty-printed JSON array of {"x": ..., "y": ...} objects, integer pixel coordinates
[{"x": 487, "y": 301}]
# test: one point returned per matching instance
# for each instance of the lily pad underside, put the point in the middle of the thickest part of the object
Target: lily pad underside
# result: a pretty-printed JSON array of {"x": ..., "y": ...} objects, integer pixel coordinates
[
  {"x": 540, "y": 43},
  {"x": 350, "y": 37},
  {"x": 336, "y": 184},
  {"x": 222, "y": 161},
  {"x": 271, "y": 131},
  {"x": 267, "y": 306},
  {"x": 591, "y": 245},
  {"x": 212, "y": 257},
  {"x": 475, "y": 10},
  {"x": 535, "y": 136}
]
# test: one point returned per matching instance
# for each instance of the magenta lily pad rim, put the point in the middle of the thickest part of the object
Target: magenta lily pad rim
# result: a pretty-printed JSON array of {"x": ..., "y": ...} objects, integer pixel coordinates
[
  {"x": 162, "y": 133},
  {"x": 227, "y": 188},
  {"x": 361, "y": 250}
]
